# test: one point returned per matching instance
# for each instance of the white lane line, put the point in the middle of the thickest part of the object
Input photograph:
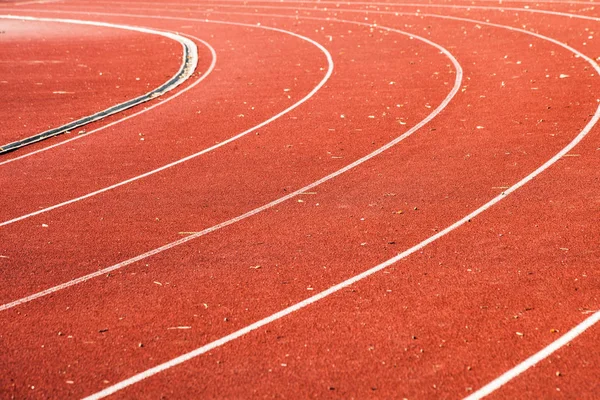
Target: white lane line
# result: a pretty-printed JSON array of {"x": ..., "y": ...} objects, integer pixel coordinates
[
  {"x": 590, "y": 321},
  {"x": 250, "y": 4},
  {"x": 499, "y": 9},
  {"x": 213, "y": 54},
  {"x": 458, "y": 80},
  {"x": 546, "y": 12},
  {"x": 433, "y": 114},
  {"x": 298, "y": 306},
  {"x": 23, "y": 3},
  {"x": 564, "y": 3},
  {"x": 348, "y": 3},
  {"x": 536, "y": 358},
  {"x": 166, "y": 100},
  {"x": 211, "y": 148},
  {"x": 187, "y": 68}
]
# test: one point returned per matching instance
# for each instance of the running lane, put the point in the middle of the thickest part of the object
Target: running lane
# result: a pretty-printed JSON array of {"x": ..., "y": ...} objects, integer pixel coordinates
[
  {"x": 239, "y": 94},
  {"x": 440, "y": 323},
  {"x": 291, "y": 152},
  {"x": 460, "y": 312}
]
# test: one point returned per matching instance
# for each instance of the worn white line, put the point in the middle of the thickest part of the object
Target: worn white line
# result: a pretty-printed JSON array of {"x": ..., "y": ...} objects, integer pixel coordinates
[
  {"x": 433, "y": 114},
  {"x": 187, "y": 68},
  {"x": 211, "y": 148},
  {"x": 201, "y": 350}
]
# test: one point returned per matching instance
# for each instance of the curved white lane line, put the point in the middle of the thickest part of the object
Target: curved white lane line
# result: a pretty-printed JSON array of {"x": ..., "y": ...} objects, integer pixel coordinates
[
  {"x": 280, "y": 200},
  {"x": 574, "y": 332},
  {"x": 594, "y": 318},
  {"x": 250, "y": 3},
  {"x": 201, "y": 78},
  {"x": 196, "y": 82},
  {"x": 536, "y": 358},
  {"x": 590, "y": 320},
  {"x": 564, "y": 3},
  {"x": 499, "y": 9},
  {"x": 253, "y": 4},
  {"x": 345, "y": 2},
  {"x": 489, "y": 388},
  {"x": 183, "y": 358},
  {"x": 187, "y": 68},
  {"x": 211, "y": 148},
  {"x": 425, "y": 5}
]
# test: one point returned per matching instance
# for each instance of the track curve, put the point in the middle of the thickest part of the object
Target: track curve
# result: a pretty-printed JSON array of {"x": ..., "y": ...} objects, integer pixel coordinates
[
  {"x": 454, "y": 300},
  {"x": 187, "y": 68}
]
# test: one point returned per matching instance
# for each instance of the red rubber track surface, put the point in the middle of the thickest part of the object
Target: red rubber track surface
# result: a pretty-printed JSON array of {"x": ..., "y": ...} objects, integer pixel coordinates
[
  {"x": 53, "y": 73},
  {"x": 441, "y": 323}
]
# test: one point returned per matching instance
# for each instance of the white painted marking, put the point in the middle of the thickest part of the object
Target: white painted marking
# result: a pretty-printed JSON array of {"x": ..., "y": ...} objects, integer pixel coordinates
[
  {"x": 200, "y": 79},
  {"x": 359, "y": 11},
  {"x": 568, "y": 2},
  {"x": 536, "y": 358},
  {"x": 450, "y": 6},
  {"x": 188, "y": 64},
  {"x": 434, "y": 113},
  {"x": 209, "y": 149},
  {"x": 155, "y": 370},
  {"x": 494, "y": 385},
  {"x": 251, "y": 3},
  {"x": 347, "y": 3},
  {"x": 23, "y": 3},
  {"x": 517, "y": 370},
  {"x": 193, "y": 61},
  {"x": 362, "y": 11}
]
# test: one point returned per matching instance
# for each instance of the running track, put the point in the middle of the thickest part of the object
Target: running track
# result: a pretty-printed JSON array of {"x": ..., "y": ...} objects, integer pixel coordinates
[{"x": 346, "y": 200}]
